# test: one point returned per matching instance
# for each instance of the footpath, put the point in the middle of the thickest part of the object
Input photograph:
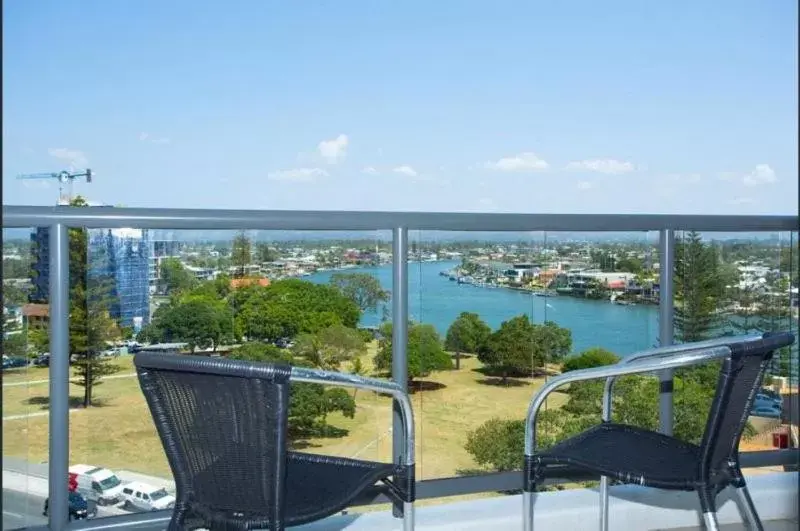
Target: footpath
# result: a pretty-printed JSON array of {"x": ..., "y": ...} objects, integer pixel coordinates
[{"x": 31, "y": 479}]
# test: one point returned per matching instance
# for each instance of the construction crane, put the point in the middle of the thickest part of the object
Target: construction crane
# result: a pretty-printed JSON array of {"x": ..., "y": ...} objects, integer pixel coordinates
[{"x": 63, "y": 177}]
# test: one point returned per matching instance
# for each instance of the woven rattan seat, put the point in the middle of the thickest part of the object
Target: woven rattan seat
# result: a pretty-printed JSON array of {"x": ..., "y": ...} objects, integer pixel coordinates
[{"x": 223, "y": 424}]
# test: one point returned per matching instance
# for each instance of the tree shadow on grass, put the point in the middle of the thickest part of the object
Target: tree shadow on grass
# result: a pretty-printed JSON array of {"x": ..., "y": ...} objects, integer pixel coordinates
[
  {"x": 417, "y": 386},
  {"x": 498, "y": 382},
  {"x": 303, "y": 445},
  {"x": 300, "y": 436},
  {"x": 538, "y": 372},
  {"x": 75, "y": 402}
]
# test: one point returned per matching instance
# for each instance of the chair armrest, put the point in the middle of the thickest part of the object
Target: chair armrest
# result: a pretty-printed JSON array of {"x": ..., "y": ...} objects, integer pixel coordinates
[
  {"x": 339, "y": 379},
  {"x": 673, "y": 361},
  {"x": 666, "y": 351}
]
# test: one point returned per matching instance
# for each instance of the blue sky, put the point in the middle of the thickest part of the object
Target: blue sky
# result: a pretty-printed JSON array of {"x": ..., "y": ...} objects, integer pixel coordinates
[{"x": 579, "y": 107}]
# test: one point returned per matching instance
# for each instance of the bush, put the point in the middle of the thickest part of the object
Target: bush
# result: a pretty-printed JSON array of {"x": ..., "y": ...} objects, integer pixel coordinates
[{"x": 593, "y": 357}]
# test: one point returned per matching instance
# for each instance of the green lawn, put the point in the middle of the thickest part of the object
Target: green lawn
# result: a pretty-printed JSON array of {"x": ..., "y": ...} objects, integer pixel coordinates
[
  {"x": 121, "y": 435},
  {"x": 32, "y": 374}
]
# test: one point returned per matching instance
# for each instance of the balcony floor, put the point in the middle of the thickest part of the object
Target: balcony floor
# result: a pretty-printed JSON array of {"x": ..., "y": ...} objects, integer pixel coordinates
[{"x": 772, "y": 525}]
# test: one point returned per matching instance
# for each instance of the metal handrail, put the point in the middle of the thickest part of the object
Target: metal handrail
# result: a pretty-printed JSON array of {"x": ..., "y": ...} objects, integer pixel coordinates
[
  {"x": 661, "y": 352},
  {"x": 676, "y": 360},
  {"x": 205, "y": 219}
]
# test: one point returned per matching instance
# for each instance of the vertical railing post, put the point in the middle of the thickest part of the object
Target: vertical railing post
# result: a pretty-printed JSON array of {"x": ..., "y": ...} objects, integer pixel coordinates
[
  {"x": 399, "y": 337},
  {"x": 666, "y": 330},
  {"x": 59, "y": 378}
]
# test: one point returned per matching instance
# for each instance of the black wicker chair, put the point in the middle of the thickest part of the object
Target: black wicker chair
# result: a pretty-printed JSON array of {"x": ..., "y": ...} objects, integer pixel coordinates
[
  {"x": 223, "y": 424},
  {"x": 633, "y": 455}
]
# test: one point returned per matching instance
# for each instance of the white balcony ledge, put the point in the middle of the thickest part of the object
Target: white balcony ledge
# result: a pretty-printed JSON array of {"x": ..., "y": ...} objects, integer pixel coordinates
[{"x": 632, "y": 508}]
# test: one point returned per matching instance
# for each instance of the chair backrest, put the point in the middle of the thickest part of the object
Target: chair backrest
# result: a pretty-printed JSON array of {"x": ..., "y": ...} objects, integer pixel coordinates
[
  {"x": 223, "y": 424},
  {"x": 739, "y": 380}
]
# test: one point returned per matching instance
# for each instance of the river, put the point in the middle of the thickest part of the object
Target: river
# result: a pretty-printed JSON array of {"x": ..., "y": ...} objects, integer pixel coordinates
[{"x": 437, "y": 300}]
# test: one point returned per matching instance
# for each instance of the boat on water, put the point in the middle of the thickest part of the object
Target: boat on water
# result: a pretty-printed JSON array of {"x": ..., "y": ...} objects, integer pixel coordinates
[{"x": 544, "y": 293}]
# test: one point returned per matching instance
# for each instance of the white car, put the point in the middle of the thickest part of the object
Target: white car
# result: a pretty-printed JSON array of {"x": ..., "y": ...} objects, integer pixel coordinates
[
  {"x": 97, "y": 484},
  {"x": 146, "y": 497}
]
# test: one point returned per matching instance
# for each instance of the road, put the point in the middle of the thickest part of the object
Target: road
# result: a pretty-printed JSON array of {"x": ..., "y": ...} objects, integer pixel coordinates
[
  {"x": 22, "y": 510},
  {"x": 25, "y": 510}
]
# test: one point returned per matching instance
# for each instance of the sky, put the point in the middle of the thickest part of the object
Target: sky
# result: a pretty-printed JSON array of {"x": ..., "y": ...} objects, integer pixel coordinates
[{"x": 680, "y": 107}]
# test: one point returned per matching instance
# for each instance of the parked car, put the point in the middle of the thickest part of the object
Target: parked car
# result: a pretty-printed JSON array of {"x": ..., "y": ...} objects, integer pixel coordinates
[
  {"x": 769, "y": 397},
  {"x": 766, "y": 402},
  {"x": 146, "y": 497},
  {"x": 772, "y": 412},
  {"x": 79, "y": 507},
  {"x": 97, "y": 484},
  {"x": 13, "y": 363},
  {"x": 133, "y": 349},
  {"x": 42, "y": 360}
]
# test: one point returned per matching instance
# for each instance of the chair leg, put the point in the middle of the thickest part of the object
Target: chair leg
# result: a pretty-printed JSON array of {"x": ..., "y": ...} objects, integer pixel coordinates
[
  {"x": 408, "y": 516},
  {"x": 532, "y": 475},
  {"x": 603, "y": 503},
  {"x": 710, "y": 520},
  {"x": 749, "y": 508},
  {"x": 708, "y": 504},
  {"x": 528, "y": 498}
]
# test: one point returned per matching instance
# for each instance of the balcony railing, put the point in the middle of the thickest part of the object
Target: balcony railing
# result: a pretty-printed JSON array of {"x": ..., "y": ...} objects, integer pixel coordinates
[{"x": 60, "y": 219}]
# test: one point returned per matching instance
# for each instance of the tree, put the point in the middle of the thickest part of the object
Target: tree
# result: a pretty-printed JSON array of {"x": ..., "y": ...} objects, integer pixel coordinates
[
  {"x": 15, "y": 345},
  {"x": 265, "y": 253},
  {"x": 39, "y": 339},
  {"x": 309, "y": 404},
  {"x": 468, "y": 333},
  {"x": 241, "y": 253},
  {"x": 90, "y": 324},
  {"x": 363, "y": 289},
  {"x": 198, "y": 320},
  {"x": 425, "y": 352},
  {"x": 555, "y": 341},
  {"x": 15, "y": 269},
  {"x": 287, "y": 308},
  {"x": 698, "y": 286},
  {"x": 14, "y": 295},
  {"x": 511, "y": 349},
  {"x": 630, "y": 265},
  {"x": 593, "y": 357},
  {"x": 91, "y": 331},
  {"x": 357, "y": 369},
  {"x": 175, "y": 277},
  {"x": 498, "y": 444},
  {"x": 329, "y": 347}
]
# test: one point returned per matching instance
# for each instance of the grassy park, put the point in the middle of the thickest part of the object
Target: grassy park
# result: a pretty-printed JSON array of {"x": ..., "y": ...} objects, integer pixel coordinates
[{"x": 119, "y": 433}]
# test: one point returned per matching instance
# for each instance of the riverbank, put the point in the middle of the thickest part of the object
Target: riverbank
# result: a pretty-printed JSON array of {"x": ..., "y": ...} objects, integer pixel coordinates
[
  {"x": 624, "y": 297},
  {"x": 435, "y": 300}
]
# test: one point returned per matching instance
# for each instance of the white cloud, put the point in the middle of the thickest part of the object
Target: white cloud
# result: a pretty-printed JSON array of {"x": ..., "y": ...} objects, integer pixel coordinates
[
  {"x": 522, "y": 162},
  {"x": 147, "y": 137},
  {"x": 763, "y": 174},
  {"x": 584, "y": 185},
  {"x": 297, "y": 175},
  {"x": 607, "y": 166},
  {"x": 369, "y": 170},
  {"x": 333, "y": 150},
  {"x": 406, "y": 170},
  {"x": 74, "y": 157},
  {"x": 742, "y": 201}
]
